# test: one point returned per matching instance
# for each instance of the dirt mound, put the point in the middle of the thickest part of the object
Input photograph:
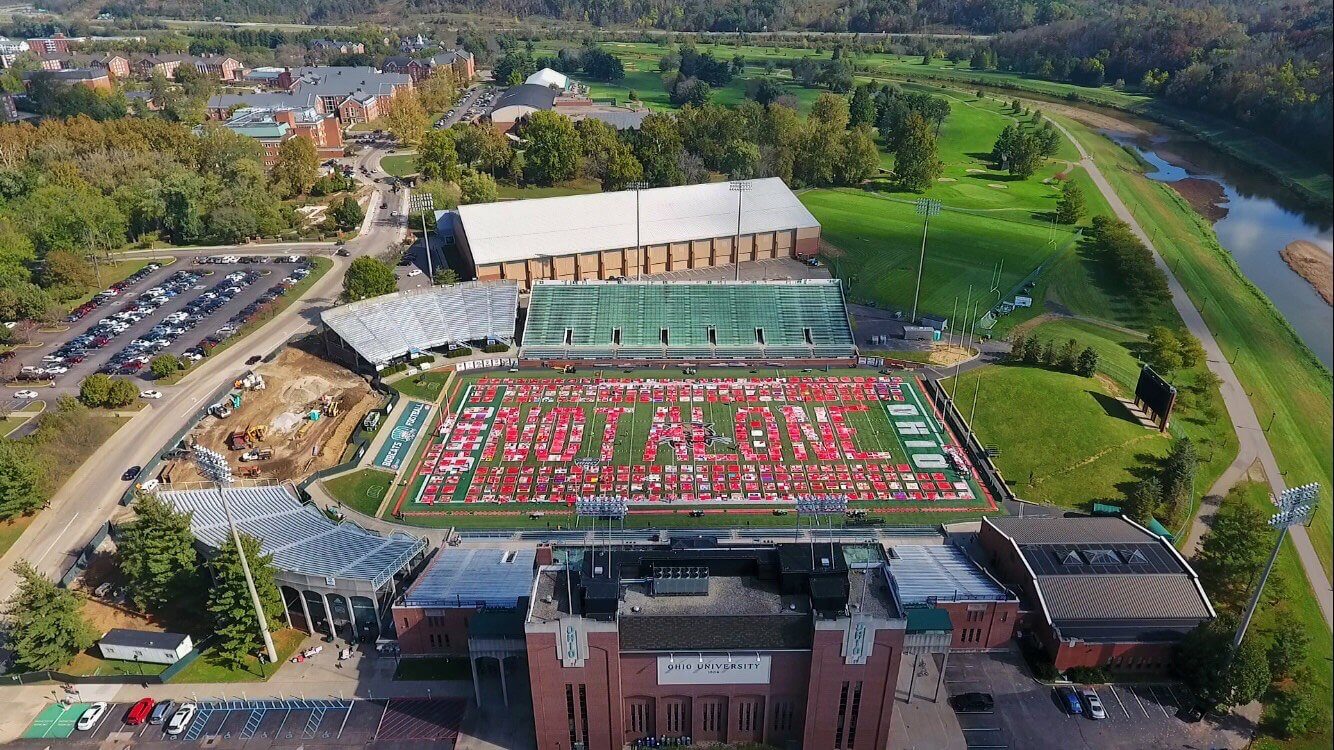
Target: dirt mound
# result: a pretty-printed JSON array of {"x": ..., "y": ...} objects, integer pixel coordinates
[{"x": 1205, "y": 196}]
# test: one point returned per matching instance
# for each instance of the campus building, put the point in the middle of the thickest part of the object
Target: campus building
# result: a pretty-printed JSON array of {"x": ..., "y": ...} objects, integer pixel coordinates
[
  {"x": 352, "y": 94},
  {"x": 608, "y": 235},
  {"x": 783, "y": 645},
  {"x": 1097, "y": 591},
  {"x": 273, "y": 127}
]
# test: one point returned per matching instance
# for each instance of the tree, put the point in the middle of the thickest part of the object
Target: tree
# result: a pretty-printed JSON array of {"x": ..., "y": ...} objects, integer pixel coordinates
[
  {"x": 552, "y": 148},
  {"x": 1018, "y": 151},
  {"x": 1068, "y": 357},
  {"x": 515, "y": 66},
  {"x": 407, "y": 119},
  {"x": 346, "y": 214},
  {"x": 1049, "y": 354},
  {"x": 235, "y": 626},
  {"x": 438, "y": 91},
  {"x": 1070, "y": 206},
  {"x": 163, "y": 365},
  {"x": 368, "y": 277},
  {"x": 1189, "y": 349},
  {"x": 1017, "y": 342},
  {"x": 1219, "y": 679},
  {"x": 1033, "y": 351},
  {"x": 1231, "y": 552},
  {"x": 477, "y": 187},
  {"x": 1288, "y": 649},
  {"x": 858, "y": 157},
  {"x": 21, "y": 480},
  {"x": 765, "y": 91},
  {"x": 861, "y": 107},
  {"x": 601, "y": 65},
  {"x": 157, "y": 554},
  {"x": 1087, "y": 364},
  {"x": 1163, "y": 351},
  {"x": 296, "y": 168},
  {"x": 46, "y": 623},
  {"x": 1179, "y": 472},
  {"x": 437, "y": 156},
  {"x": 485, "y": 150},
  {"x": 120, "y": 393},
  {"x": 1297, "y": 711},
  {"x": 740, "y": 159},
  {"x": 94, "y": 389},
  {"x": 685, "y": 90},
  {"x": 657, "y": 144},
  {"x": 446, "y": 276},
  {"x": 67, "y": 274},
  {"x": 1143, "y": 499},
  {"x": 916, "y": 163}
]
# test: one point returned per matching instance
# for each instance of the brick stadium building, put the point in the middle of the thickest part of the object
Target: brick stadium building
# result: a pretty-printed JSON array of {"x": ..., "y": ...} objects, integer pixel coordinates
[
  {"x": 776, "y": 644},
  {"x": 1100, "y": 591},
  {"x": 597, "y": 236}
]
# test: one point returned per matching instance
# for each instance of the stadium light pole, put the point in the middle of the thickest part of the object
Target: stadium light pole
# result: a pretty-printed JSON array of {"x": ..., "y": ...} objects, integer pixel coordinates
[
  {"x": 214, "y": 465},
  {"x": 1295, "y": 506},
  {"x": 926, "y": 207},
  {"x": 639, "y": 245},
  {"x": 424, "y": 202},
  {"x": 739, "y": 187}
]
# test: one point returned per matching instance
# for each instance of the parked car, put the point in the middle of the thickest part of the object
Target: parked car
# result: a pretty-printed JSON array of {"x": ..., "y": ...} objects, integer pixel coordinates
[
  {"x": 415, "y": 272},
  {"x": 91, "y": 716},
  {"x": 972, "y": 703},
  {"x": 253, "y": 360},
  {"x": 131, "y": 473},
  {"x": 139, "y": 712},
  {"x": 1069, "y": 701},
  {"x": 1092, "y": 704},
  {"x": 150, "y": 394},
  {"x": 26, "y": 394},
  {"x": 180, "y": 721}
]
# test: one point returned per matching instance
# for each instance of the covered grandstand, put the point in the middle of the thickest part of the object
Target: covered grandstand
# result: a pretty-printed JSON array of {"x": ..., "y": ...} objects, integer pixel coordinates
[
  {"x": 376, "y": 331},
  {"x": 328, "y": 572},
  {"x": 784, "y": 322}
]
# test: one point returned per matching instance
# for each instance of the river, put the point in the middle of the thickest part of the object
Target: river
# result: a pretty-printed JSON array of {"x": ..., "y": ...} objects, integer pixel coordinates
[{"x": 1261, "y": 219}]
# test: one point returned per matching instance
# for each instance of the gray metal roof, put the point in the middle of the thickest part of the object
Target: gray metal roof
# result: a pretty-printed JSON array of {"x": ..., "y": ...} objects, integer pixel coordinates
[
  {"x": 459, "y": 577},
  {"x": 1123, "y": 597},
  {"x": 515, "y": 230},
  {"x": 1082, "y": 530},
  {"x": 926, "y": 574},
  {"x": 526, "y": 95},
  {"x": 381, "y": 328},
  {"x": 300, "y": 537}
]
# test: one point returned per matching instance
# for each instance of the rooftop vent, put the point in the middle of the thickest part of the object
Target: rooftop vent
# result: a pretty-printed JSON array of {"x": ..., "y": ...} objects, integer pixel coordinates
[{"x": 681, "y": 581}]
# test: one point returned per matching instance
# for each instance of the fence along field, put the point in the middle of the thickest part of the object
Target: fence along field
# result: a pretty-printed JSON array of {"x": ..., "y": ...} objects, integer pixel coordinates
[{"x": 708, "y": 441}]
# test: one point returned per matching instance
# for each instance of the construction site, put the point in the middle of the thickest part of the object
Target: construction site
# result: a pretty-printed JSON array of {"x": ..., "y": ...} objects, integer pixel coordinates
[{"x": 282, "y": 421}]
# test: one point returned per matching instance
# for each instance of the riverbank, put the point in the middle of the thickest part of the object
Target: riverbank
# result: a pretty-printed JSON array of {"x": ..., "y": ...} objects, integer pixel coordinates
[{"x": 1313, "y": 264}]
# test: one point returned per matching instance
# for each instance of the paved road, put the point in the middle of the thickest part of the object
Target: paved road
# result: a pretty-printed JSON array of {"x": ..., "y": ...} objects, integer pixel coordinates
[
  {"x": 92, "y": 491},
  {"x": 1250, "y": 435}
]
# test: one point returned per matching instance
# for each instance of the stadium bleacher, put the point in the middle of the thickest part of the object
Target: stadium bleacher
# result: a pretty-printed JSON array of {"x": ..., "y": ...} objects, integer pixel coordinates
[
  {"x": 382, "y": 328},
  {"x": 688, "y": 320},
  {"x": 300, "y": 537}
]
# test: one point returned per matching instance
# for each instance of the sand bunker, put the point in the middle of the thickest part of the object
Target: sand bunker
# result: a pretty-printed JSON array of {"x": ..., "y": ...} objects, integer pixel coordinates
[{"x": 997, "y": 186}]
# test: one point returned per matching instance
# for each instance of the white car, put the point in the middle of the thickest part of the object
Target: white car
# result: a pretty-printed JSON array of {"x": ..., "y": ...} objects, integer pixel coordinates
[
  {"x": 1093, "y": 704},
  {"x": 414, "y": 272},
  {"x": 26, "y": 394},
  {"x": 180, "y": 721},
  {"x": 90, "y": 716},
  {"x": 57, "y": 370},
  {"x": 150, "y": 394}
]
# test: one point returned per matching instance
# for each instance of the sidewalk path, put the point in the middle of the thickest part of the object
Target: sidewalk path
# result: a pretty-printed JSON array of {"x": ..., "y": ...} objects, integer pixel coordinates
[{"x": 1252, "y": 445}]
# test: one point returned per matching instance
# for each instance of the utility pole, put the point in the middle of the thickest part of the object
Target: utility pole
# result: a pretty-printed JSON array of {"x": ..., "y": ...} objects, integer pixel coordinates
[
  {"x": 639, "y": 243},
  {"x": 926, "y": 207},
  {"x": 214, "y": 465},
  {"x": 424, "y": 203},
  {"x": 1295, "y": 506},
  {"x": 739, "y": 187}
]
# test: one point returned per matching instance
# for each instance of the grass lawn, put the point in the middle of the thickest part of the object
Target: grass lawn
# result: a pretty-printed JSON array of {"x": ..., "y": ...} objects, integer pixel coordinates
[
  {"x": 17, "y": 419},
  {"x": 207, "y": 669},
  {"x": 361, "y": 490},
  {"x": 1288, "y": 598},
  {"x": 580, "y": 186},
  {"x": 112, "y": 272},
  {"x": 11, "y": 530},
  {"x": 433, "y": 668},
  {"x": 877, "y": 239},
  {"x": 426, "y": 386},
  {"x": 399, "y": 165},
  {"x": 86, "y": 664},
  {"x": 1281, "y": 375}
]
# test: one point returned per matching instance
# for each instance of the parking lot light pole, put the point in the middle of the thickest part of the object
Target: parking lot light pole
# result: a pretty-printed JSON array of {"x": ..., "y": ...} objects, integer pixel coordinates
[
  {"x": 423, "y": 203},
  {"x": 739, "y": 187},
  {"x": 639, "y": 244},
  {"x": 926, "y": 208}
]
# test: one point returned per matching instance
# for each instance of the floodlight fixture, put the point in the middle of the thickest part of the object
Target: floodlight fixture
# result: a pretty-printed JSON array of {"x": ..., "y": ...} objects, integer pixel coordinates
[
  {"x": 601, "y": 507},
  {"x": 1296, "y": 506},
  {"x": 639, "y": 246}
]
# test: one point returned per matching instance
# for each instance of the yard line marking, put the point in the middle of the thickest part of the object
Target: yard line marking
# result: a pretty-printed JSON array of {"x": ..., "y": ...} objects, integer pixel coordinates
[
  {"x": 1140, "y": 702},
  {"x": 381, "y": 721},
  {"x": 1118, "y": 699}
]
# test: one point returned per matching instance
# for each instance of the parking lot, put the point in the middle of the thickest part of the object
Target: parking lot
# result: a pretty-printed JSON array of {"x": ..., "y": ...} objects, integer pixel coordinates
[
  {"x": 1028, "y": 714},
  {"x": 268, "y": 723},
  {"x": 185, "y": 308}
]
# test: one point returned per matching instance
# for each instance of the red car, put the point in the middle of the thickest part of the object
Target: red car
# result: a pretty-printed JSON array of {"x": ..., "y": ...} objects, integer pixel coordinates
[{"x": 139, "y": 712}]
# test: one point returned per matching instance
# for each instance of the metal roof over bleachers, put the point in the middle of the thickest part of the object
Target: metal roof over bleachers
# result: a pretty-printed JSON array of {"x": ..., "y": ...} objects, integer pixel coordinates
[
  {"x": 301, "y": 538},
  {"x": 931, "y": 573},
  {"x": 381, "y": 328},
  {"x": 459, "y": 577},
  {"x": 686, "y": 320}
]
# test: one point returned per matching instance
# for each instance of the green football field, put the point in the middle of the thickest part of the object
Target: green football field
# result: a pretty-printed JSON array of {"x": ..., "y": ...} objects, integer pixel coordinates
[{"x": 663, "y": 442}]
